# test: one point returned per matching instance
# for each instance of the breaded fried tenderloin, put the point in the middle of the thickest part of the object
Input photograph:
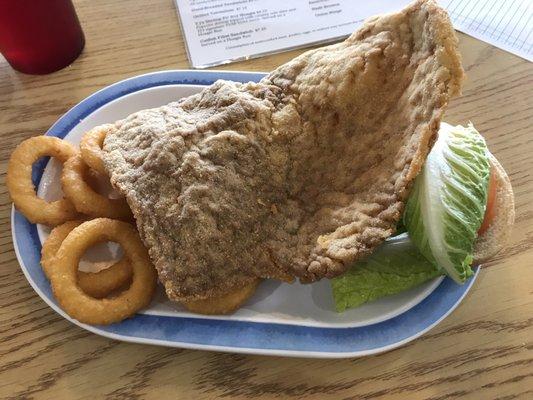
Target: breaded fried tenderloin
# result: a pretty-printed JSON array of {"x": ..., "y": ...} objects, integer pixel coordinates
[{"x": 296, "y": 176}]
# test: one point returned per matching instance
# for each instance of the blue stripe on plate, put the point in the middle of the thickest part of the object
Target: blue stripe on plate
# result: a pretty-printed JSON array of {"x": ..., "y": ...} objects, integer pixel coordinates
[
  {"x": 223, "y": 334},
  {"x": 296, "y": 338}
]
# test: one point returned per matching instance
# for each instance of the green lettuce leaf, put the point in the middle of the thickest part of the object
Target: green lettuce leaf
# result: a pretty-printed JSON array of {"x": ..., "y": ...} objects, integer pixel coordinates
[
  {"x": 447, "y": 204},
  {"x": 395, "y": 266}
]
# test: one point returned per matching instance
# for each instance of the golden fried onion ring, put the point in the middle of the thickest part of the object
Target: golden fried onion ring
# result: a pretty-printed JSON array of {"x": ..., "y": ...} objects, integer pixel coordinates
[
  {"x": 85, "y": 199},
  {"x": 224, "y": 304},
  {"x": 91, "y": 147},
  {"x": 20, "y": 185},
  {"x": 99, "y": 284},
  {"x": 63, "y": 277}
]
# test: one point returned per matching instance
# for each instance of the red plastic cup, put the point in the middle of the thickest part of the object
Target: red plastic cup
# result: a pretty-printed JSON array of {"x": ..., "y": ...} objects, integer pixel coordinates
[{"x": 39, "y": 36}]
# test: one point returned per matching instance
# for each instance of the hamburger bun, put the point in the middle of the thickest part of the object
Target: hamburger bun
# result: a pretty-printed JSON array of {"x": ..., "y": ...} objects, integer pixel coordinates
[{"x": 493, "y": 240}]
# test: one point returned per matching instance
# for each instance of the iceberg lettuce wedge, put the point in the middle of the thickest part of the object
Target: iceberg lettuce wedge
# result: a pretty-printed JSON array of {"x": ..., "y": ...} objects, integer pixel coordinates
[{"x": 447, "y": 204}]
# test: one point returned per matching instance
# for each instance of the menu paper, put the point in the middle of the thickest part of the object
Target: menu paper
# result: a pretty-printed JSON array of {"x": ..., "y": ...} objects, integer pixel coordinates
[
  {"x": 222, "y": 31},
  {"x": 504, "y": 24}
]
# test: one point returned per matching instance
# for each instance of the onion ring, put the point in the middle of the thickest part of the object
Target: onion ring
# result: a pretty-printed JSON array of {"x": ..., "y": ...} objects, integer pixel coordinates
[
  {"x": 20, "y": 185},
  {"x": 224, "y": 304},
  {"x": 92, "y": 178},
  {"x": 99, "y": 284},
  {"x": 91, "y": 147},
  {"x": 84, "y": 198},
  {"x": 63, "y": 277}
]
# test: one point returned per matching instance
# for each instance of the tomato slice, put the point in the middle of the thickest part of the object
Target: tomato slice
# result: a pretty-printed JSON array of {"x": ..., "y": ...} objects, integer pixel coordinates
[{"x": 490, "y": 210}]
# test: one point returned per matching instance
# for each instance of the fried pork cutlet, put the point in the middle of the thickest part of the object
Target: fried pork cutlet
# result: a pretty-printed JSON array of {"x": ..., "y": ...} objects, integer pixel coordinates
[{"x": 296, "y": 176}]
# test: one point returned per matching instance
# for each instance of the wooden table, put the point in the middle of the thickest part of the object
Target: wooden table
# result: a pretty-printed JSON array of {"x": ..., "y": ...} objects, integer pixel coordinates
[{"x": 484, "y": 350}]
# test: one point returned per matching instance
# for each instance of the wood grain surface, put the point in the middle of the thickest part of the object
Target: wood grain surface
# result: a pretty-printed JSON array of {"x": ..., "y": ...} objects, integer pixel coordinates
[{"x": 484, "y": 350}]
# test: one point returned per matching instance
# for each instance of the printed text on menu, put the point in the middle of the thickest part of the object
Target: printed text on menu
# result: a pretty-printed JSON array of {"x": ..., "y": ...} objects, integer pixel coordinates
[{"x": 219, "y": 31}]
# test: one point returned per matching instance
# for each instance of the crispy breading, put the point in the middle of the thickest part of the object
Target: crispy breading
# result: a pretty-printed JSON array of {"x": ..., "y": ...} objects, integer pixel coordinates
[{"x": 298, "y": 175}]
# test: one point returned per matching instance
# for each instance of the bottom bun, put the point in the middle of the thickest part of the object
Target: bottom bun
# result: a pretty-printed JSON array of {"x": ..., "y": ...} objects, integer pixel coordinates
[{"x": 495, "y": 237}]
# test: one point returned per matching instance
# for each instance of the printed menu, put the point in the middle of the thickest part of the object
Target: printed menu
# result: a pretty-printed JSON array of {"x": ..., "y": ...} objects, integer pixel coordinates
[{"x": 221, "y": 31}]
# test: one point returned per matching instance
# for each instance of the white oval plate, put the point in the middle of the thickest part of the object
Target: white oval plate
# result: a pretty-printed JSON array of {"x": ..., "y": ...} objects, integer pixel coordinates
[{"x": 285, "y": 316}]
